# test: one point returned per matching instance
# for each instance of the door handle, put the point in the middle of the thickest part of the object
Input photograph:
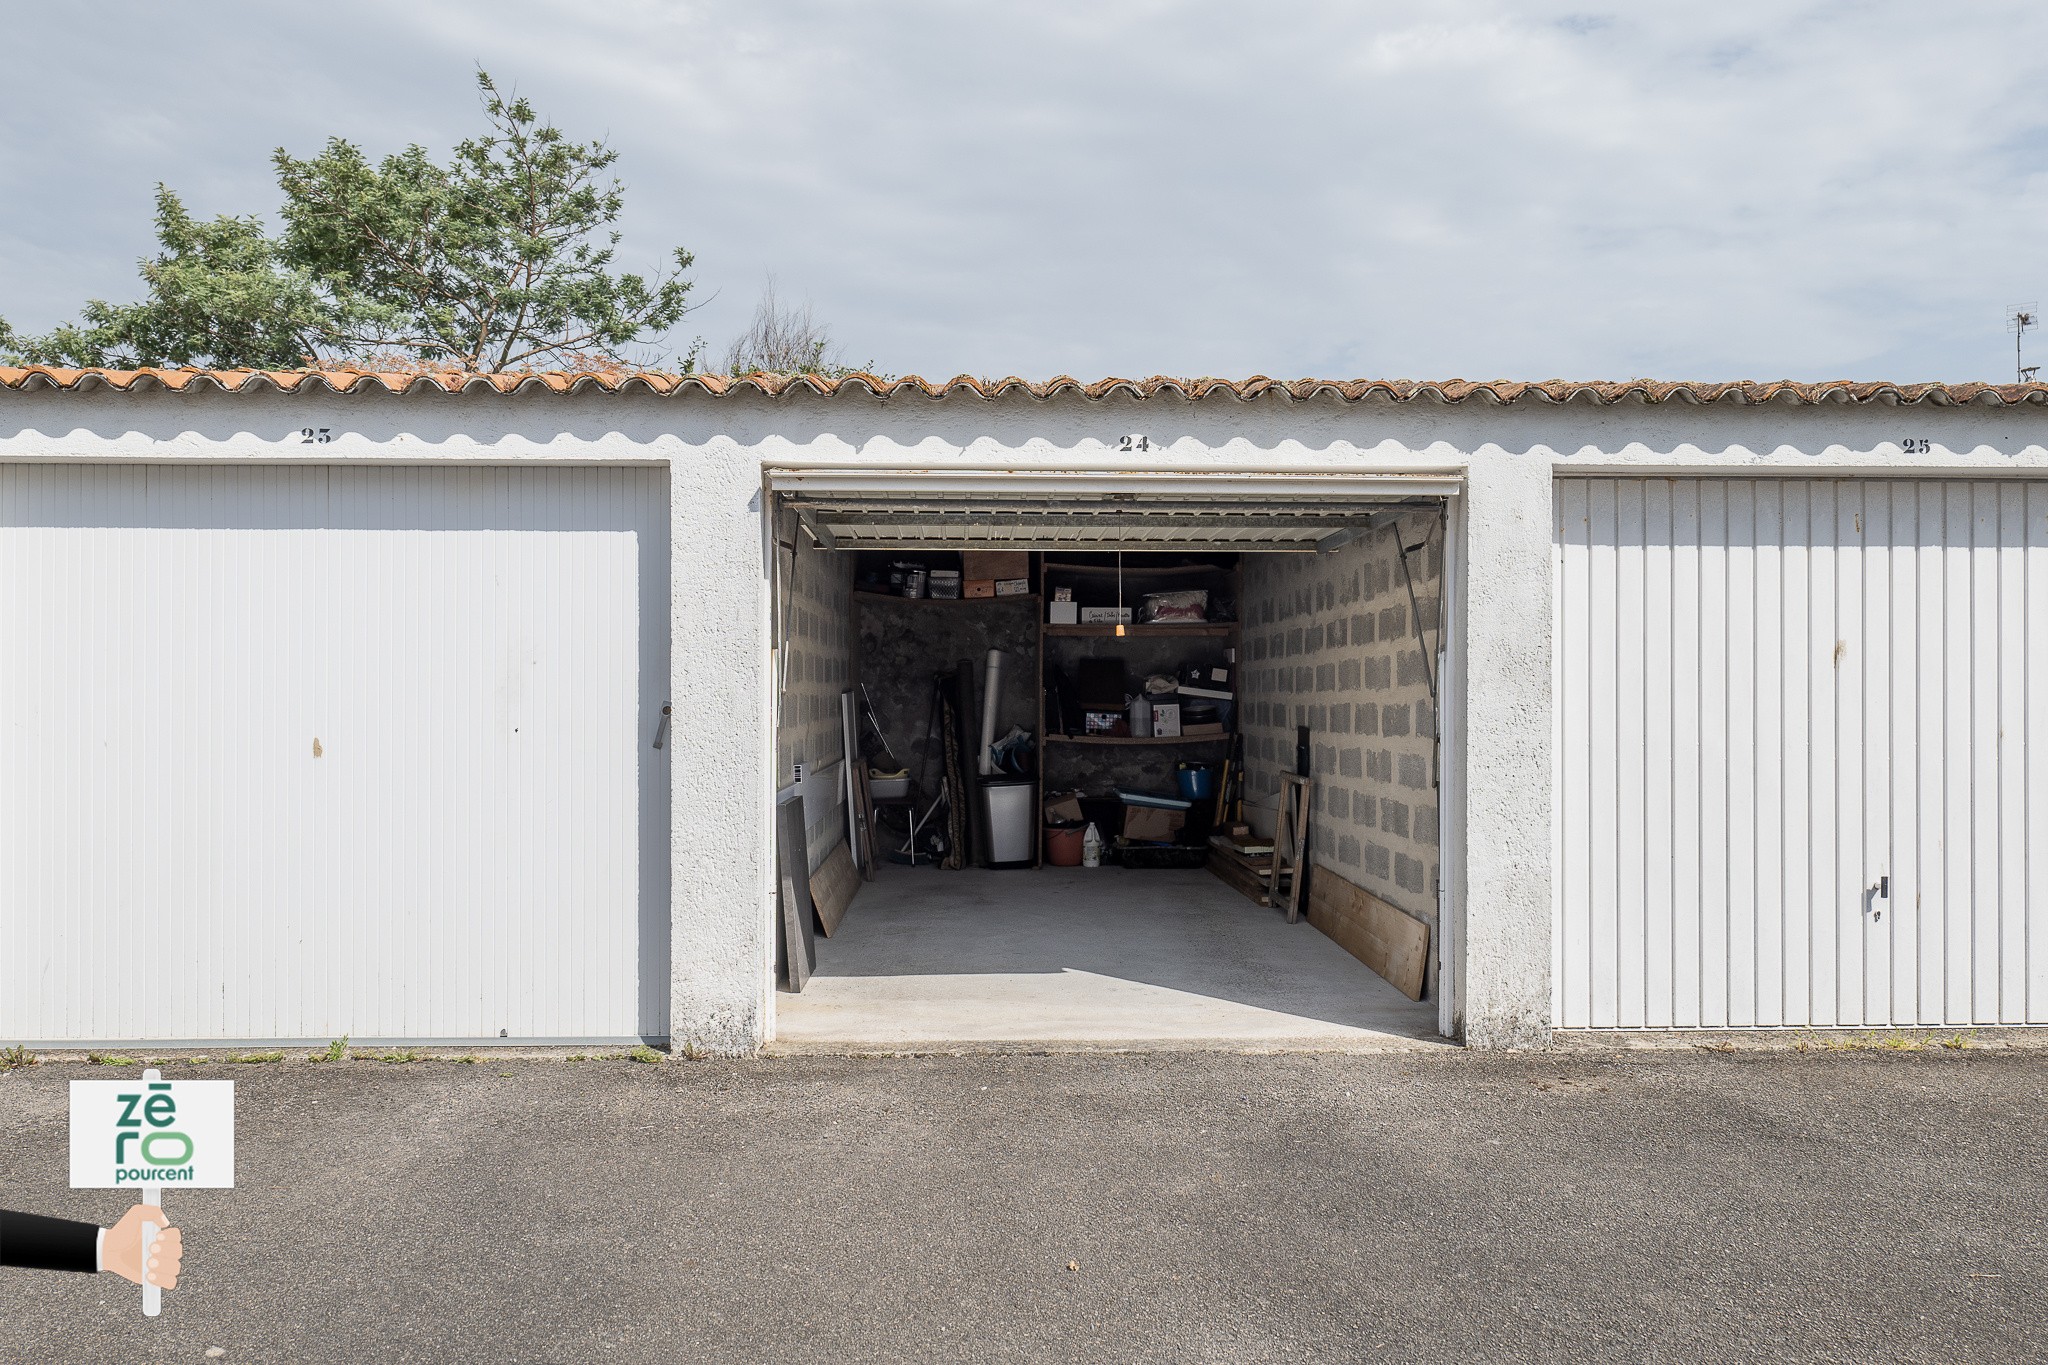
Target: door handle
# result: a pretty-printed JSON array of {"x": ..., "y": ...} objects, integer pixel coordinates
[{"x": 661, "y": 728}]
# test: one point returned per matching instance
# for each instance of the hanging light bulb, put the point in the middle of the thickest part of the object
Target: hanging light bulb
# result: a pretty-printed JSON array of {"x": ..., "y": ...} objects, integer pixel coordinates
[{"x": 1119, "y": 593}]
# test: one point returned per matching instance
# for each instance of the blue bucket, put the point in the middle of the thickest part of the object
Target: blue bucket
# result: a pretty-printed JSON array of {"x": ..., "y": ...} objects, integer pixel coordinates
[{"x": 1197, "y": 783}]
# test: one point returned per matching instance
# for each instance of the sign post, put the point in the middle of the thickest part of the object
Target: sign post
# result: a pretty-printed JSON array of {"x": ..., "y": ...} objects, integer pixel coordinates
[
  {"x": 150, "y": 1134},
  {"x": 152, "y": 1296}
]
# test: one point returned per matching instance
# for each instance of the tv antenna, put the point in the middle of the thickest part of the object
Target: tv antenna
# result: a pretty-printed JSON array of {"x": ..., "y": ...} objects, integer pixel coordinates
[{"x": 2018, "y": 319}]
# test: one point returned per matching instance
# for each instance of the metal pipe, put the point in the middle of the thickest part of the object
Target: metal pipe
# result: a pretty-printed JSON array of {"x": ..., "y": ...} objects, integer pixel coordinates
[{"x": 991, "y": 688}]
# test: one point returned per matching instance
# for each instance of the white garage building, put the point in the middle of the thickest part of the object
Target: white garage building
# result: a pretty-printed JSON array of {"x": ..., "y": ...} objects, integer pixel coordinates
[{"x": 335, "y": 703}]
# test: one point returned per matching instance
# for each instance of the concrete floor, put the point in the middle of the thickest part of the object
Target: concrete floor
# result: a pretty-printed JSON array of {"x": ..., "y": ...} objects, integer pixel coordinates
[{"x": 1085, "y": 956}]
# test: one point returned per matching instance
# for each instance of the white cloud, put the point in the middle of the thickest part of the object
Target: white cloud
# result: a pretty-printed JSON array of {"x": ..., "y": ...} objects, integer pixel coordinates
[{"x": 1752, "y": 188}]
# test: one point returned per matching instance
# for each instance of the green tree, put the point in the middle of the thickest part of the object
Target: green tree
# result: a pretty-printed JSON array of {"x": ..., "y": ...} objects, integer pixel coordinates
[
  {"x": 219, "y": 294},
  {"x": 501, "y": 259}
]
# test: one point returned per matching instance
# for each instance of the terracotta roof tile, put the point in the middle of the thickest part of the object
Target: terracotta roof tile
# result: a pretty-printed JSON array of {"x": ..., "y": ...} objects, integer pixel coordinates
[{"x": 1452, "y": 391}]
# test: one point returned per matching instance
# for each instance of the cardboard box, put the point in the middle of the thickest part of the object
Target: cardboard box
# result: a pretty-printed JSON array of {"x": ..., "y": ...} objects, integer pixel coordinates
[
  {"x": 995, "y": 564},
  {"x": 1165, "y": 719},
  {"x": 1064, "y": 809},
  {"x": 1012, "y": 587},
  {"x": 1105, "y": 722},
  {"x": 981, "y": 587},
  {"x": 1105, "y": 616},
  {"x": 1062, "y": 613},
  {"x": 1212, "y": 729},
  {"x": 1149, "y": 822}
]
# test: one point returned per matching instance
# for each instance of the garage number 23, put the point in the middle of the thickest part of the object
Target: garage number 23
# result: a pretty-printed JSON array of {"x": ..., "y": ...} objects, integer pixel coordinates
[{"x": 315, "y": 436}]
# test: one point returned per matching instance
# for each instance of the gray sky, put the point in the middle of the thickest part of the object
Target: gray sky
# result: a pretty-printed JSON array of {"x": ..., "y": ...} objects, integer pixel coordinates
[{"x": 1741, "y": 189}]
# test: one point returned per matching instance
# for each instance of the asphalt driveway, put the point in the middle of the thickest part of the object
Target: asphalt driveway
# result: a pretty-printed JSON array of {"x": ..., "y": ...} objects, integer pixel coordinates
[{"x": 1444, "y": 1206}]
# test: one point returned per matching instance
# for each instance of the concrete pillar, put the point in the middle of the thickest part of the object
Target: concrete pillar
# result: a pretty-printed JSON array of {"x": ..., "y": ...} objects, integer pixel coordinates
[
  {"x": 1505, "y": 600},
  {"x": 721, "y": 960}
]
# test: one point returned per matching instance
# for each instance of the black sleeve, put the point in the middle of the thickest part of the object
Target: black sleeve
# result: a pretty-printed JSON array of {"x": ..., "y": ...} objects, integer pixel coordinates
[{"x": 33, "y": 1242}]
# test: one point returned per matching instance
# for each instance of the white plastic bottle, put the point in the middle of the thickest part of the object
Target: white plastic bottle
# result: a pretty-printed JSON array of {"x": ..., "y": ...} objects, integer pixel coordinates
[{"x": 1091, "y": 847}]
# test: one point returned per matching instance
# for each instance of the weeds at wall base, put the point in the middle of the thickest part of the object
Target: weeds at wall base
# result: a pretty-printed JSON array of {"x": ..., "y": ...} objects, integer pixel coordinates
[{"x": 1885, "y": 1041}]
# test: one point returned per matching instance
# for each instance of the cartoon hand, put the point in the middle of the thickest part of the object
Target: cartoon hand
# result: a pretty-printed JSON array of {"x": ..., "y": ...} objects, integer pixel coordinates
[{"x": 122, "y": 1252}]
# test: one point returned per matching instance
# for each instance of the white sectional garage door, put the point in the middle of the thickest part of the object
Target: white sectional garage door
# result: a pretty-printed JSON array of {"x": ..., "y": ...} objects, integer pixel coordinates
[
  {"x": 1778, "y": 700},
  {"x": 292, "y": 752}
]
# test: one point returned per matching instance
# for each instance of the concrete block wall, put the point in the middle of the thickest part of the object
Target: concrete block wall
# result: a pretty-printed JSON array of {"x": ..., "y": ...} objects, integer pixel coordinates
[
  {"x": 1330, "y": 643},
  {"x": 820, "y": 667},
  {"x": 904, "y": 643}
]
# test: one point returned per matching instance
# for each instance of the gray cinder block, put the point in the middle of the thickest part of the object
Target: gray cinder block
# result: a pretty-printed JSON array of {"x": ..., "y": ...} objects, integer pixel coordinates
[{"x": 1393, "y": 818}]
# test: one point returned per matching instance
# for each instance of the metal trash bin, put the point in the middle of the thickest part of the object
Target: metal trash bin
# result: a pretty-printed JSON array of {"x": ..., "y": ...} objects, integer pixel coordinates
[{"x": 1010, "y": 815}]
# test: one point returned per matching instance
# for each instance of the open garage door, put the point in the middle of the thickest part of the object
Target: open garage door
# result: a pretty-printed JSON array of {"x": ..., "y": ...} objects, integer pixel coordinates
[
  {"x": 1085, "y": 511},
  {"x": 1312, "y": 609}
]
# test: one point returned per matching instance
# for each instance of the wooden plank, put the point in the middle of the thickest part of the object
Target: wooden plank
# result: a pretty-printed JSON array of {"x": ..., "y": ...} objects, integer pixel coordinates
[
  {"x": 799, "y": 945},
  {"x": 1390, "y": 941},
  {"x": 948, "y": 601},
  {"x": 1236, "y": 875},
  {"x": 864, "y": 812},
  {"x": 1098, "y": 628},
  {"x": 1261, "y": 862},
  {"x": 1132, "y": 739},
  {"x": 1290, "y": 843},
  {"x": 849, "y": 733},
  {"x": 833, "y": 887}
]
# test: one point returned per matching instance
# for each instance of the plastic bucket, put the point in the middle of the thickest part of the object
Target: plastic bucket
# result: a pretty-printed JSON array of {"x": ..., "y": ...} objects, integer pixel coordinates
[
  {"x": 1197, "y": 783},
  {"x": 1063, "y": 846}
]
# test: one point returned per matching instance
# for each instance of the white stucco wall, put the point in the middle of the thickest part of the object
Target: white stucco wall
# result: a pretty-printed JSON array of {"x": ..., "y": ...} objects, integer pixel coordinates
[{"x": 1497, "y": 712}]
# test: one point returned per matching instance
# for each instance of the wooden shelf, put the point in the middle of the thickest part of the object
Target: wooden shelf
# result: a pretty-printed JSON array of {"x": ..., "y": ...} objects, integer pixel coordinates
[
  {"x": 1093, "y": 584},
  {"x": 863, "y": 594},
  {"x": 1127, "y": 739},
  {"x": 1138, "y": 571},
  {"x": 1213, "y": 629}
]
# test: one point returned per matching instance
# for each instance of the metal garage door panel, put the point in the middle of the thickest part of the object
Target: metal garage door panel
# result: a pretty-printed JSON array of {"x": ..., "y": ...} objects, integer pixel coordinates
[
  {"x": 474, "y": 652},
  {"x": 1092, "y": 511},
  {"x": 1771, "y": 695}
]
